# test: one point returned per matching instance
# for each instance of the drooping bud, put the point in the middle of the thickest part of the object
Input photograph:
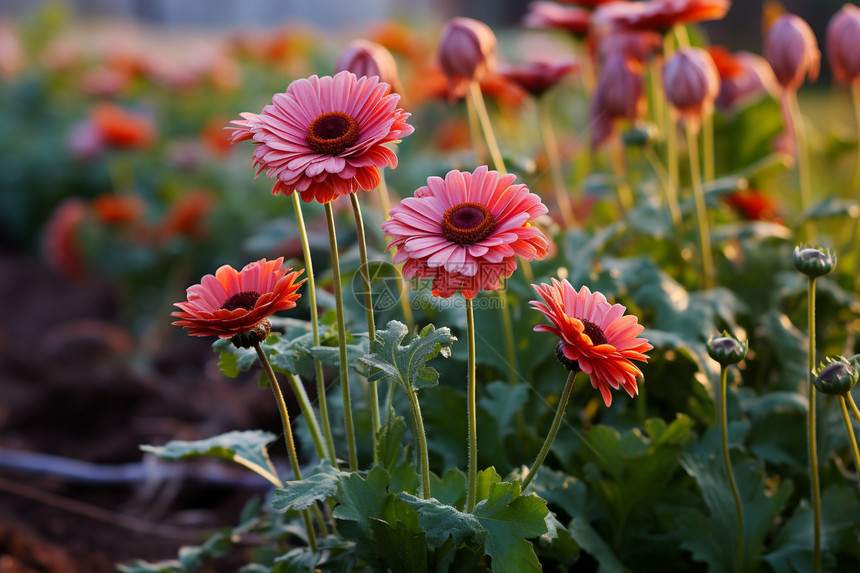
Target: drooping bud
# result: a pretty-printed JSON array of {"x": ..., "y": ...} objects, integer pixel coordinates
[
  {"x": 814, "y": 262},
  {"x": 364, "y": 58},
  {"x": 837, "y": 376},
  {"x": 726, "y": 349},
  {"x": 843, "y": 44},
  {"x": 619, "y": 95},
  {"x": 252, "y": 337},
  {"x": 691, "y": 81},
  {"x": 792, "y": 51},
  {"x": 467, "y": 52}
]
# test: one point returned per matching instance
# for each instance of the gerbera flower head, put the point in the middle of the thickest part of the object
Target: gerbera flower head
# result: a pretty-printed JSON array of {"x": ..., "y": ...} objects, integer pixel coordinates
[
  {"x": 466, "y": 230},
  {"x": 658, "y": 15},
  {"x": 595, "y": 336},
  {"x": 326, "y": 137},
  {"x": 232, "y": 302}
]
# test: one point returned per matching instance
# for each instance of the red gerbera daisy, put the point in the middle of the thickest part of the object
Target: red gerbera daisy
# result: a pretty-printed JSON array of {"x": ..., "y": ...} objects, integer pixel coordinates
[
  {"x": 232, "y": 302},
  {"x": 325, "y": 137},
  {"x": 465, "y": 231},
  {"x": 658, "y": 14},
  {"x": 595, "y": 336}
]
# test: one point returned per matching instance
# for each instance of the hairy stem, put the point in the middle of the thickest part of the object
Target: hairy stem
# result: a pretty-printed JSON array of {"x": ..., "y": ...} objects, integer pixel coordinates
[
  {"x": 423, "y": 455},
  {"x": 471, "y": 410},
  {"x": 810, "y": 435},
  {"x": 739, "y": 508},
  {"x": 851, "y": 439},
  {"x": 553, "y": 430},
  {"x": 341, "y": 338},
  {"x": 701, "y": 209},
  {"x": 308, "y": 412},
  {"x": 803, "y": 170}
]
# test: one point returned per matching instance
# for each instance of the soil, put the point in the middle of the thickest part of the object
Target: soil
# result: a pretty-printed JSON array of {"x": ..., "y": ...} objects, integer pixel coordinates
[{"x": 76, "y": 384}]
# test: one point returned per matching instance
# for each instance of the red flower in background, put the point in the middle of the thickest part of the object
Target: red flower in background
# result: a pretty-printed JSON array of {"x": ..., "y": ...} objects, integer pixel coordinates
[
  {"x": 121, "y": 128},
  {"x": 538, "y": 76},
  {"x": 187, "y": 215},
  {"x": 118, "y": 209},
  {"x": 61, "y": 243},
  {"x": 659, "y": 15},
  {"x": 232, "y": 302},
  {"x": 753, "y": 205},
  {"x": 551, "y": 15},
  {"x": 595, "y": 336}
]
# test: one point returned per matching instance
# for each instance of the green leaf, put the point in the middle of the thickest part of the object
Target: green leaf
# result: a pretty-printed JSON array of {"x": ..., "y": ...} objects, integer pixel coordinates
[
  {"x": 451, "y": 488},
  {"x": 388, "y": 442},
  {"x": 232, "y": 360},
  {"x": 169, "y": 566},
  {"x": 405, "y": 551},
  {"x": 486, "y": 479},
  {"x": 302, "y": 494},
  {"x": 503, "y": 401},
  {"x": 442, "y": 522},
  {"x": 510, "y": 519},
  {"x": 406, "y": 365},
  {"x": 216, "y": 545},
  {"x": 247, "y": 448},
  {"x": 361, "y": 498}
]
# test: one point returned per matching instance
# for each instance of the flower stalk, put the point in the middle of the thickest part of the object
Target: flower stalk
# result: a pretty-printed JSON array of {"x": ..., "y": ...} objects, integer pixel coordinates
[
  {"x": 288, "y": 437},
  {"x": 803, "y": 170},
  {"x": 553, "y": 157},
  {"x": 852, "y": 441},
  {"x": 727, "y": 462},
  {"x": 471, "y": 410},
  {"x": 368, "y": 308},
  {"x": 341, "y": 337},
  {"x": 701, "y": 208},
  {"x": 315, "y": 329},
  {"x": 553, "y": 430},
  {"x": 810, "y": 435}
]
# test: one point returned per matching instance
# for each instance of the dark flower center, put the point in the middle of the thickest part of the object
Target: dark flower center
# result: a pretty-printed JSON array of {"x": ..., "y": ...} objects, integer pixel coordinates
[
  {"x": 332, "y": 132},
  {"x": 467, "y": 223},
  {"x": 571, "y": 365},
  {"x": 245, "y": 299},
  {"x": 594, "y": 332}
]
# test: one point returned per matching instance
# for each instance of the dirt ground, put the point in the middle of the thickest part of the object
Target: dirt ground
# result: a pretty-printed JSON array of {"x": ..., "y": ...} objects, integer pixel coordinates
[{"x": 76, "y": 385}]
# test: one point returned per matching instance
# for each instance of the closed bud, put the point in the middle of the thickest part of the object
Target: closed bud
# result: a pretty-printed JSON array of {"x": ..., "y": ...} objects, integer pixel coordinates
[
  {"x": 251, "y": 338},
  {"x": 364, "y": 58},
  {"x": 843, "y": 44},
  {"x": 691, "y": 81},
  {"x": 467, "y": 52},
  {"x": 814, "y": 262},
  {"x": 726, "y": 349},
  {"x": 619, "y": 95},
  {"x": 792, "y": 51},
  {"x": 837, "y": 376}
]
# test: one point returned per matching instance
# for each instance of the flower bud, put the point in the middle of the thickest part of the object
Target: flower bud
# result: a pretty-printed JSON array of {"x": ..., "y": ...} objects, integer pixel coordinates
[
  {"x": 792, "y": 51},
  {"x": 843, "y": 44},
  {"x": 726, "y": 349},
  {"x": 252, "y": 337},
  {"x": 838, "y": 376},
  {"x": 364, "y": 58},
  {"x": 691, "y": 81},
  {"x": 538, "y": 76},
  {"x": 619, "y": 94},
  {"x": 814, "y": 262},
  {"x": 467, "y": 52}
]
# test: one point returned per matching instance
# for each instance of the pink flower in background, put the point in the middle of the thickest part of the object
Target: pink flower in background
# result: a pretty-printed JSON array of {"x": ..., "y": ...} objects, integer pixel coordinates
[
  {"x": 465, "y": 231},
  {"x": 595, "y": 336},
  {"x": 792, "y": 51},
  {"x": 619, "y": 95},
  {"x": 691, "y": 81},
  {"x": 843, "y": 44},
  {"x": 467, "y": 52},
  {"x": 232, "y": 302},
  {"x": 12, "y": 60},
  {"x": 743, "y": 76},
  {"x": 364, "y": 58},
  {"x": 641, "y": 45},
  {"x": 326, "y": 137},
  {"x": 551, "y": 15},
  {"x": 538, "y": 76},
  {"x": 588, "y": 3}
]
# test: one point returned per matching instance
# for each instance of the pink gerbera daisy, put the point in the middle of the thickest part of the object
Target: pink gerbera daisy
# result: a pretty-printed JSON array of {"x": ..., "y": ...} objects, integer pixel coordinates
[
  {"x": 596, "y": 337},
  {"x": 326, "y": 137},
  {"x": 232, "y": 302},
  {"x": 465, "y": 231}
]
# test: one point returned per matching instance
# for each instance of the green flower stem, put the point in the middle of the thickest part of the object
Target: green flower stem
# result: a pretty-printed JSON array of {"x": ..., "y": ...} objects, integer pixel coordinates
[
  {"x": 288, "y": 437},
  {"x": 341, "y": 338},
  {"x": 471, "y": 410},
  {"x": 739, "y": 508},
  {"x": 423, "y": 455},
  {"x": 854, "y": 409},
  {"x": 708, "y": 167},
  {"x": 402, "y": 287},
  {"x": 670, "y": 192},
  {"x": 810, "y": 435},
  {"x": 308, "y": 412},
  {"x": 671, "y": 126},
  {"x": 553, "y": 430},
  {"x": 474, "y": 131},
  {"x": 701, "y": 209},
  {"x": 855, "y": 99},
  {"x": 616, "y": 152},
  {"x": 852, "y": 441},
  {"x": 368, "y": 308},
  {"x": 553, "y": 157},
  {"x": 803, "y": 171},
  {"x": 312, "y": 296}
]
